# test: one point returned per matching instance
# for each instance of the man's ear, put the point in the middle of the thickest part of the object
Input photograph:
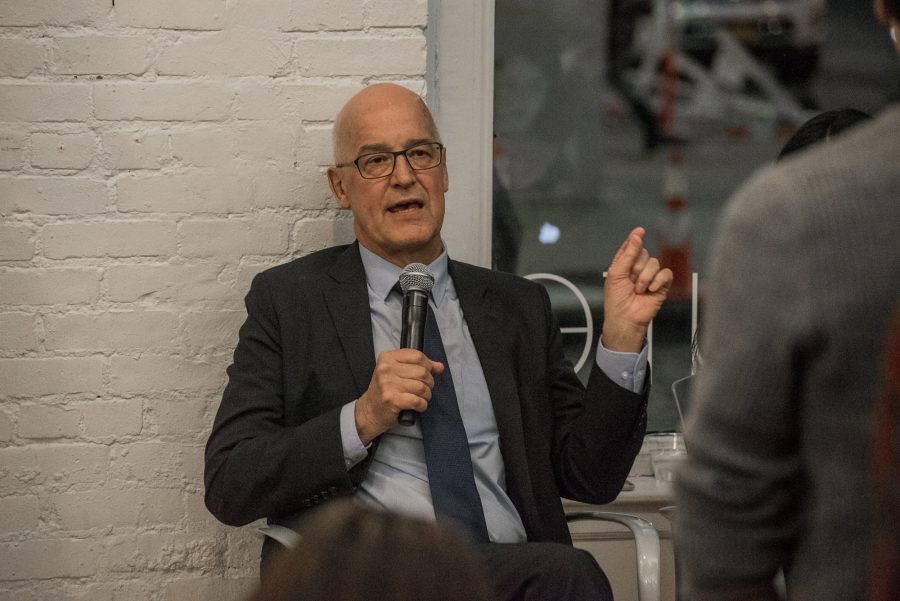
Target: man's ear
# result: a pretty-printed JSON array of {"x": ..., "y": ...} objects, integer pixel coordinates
[
  {"x": 337, "y": 188},
  {"x": 446, "y": 175}
]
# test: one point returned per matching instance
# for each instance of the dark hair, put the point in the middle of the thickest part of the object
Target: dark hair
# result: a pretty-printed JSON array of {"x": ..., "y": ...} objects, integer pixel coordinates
[
  {"x": 821, "y": 128},
  {"x": 353, "y": 553},
  {"x": 893, "y": 7}
]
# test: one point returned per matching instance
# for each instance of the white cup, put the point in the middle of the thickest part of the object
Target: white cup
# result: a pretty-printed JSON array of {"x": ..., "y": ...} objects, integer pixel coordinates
[{"x": 667, "y": 452}]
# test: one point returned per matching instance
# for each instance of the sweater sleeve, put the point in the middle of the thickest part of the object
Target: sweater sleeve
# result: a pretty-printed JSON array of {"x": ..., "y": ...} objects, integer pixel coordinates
[{"x": 738, "y": 492}]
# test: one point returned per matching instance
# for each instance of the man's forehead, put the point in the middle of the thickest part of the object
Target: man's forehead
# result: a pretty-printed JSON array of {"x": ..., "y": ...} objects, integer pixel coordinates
[
  {"x": 388, "y": 127},
  {"x": 389, "y": 147},
  {"x": 382, "y": 117}
]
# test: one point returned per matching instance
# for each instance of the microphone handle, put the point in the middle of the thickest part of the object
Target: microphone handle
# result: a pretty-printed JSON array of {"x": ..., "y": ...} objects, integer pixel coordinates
[{"x": 412, "y": 334}]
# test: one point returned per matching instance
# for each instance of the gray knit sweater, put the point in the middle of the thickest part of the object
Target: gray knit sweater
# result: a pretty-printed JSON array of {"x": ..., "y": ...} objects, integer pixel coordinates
[{"x": 805, "y": 276}]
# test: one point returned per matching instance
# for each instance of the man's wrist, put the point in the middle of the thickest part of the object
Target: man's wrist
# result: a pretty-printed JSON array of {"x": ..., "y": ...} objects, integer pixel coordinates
[
  {"x": 364, "y": 428},
  {"x": 624, "y": 340},
  {"x": 354, "y": 449}
]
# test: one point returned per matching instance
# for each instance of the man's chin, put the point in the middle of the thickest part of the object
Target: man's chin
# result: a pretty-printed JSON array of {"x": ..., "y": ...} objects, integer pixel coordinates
[{"x": 417, "y": 249}]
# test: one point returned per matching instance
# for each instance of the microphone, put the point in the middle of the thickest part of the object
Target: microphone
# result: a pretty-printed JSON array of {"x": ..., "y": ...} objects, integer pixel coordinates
[{"x": 416, "y": 281}]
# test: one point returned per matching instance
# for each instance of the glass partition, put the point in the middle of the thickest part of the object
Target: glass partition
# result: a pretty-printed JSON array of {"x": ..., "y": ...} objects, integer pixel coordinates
[{"x": 612, "y": 114}]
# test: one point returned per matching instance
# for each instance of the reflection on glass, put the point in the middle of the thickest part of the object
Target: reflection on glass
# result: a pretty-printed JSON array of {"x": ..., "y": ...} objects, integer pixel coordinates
[{"x": 581, "y": 156}]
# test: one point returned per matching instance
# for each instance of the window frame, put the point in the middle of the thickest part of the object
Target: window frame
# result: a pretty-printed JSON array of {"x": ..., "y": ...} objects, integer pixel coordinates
[{"x": 460, "y": 92}]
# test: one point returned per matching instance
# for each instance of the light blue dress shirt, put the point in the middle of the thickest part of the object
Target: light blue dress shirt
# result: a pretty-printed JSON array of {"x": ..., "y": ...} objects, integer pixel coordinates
[{"x": 397, "y": 479}]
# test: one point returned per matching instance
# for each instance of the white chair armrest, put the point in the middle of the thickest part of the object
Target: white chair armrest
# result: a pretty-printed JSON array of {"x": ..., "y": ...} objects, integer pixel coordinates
[
  {"x": 646, "y": 541},
  {"x": 287, "y": 537}
]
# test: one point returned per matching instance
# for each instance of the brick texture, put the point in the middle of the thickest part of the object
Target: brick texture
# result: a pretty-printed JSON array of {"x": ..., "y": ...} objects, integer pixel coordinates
[
  {"x": 52, "y": 375},
  {"x": 208, "y": 238},
  {"x": 46, "y": 467},
  {"x": 359, "y": 55},
  {"x": 12, "y": 148},
  {"x": 70, "y": 151},
  {"x": 227, "y": 53},
  {"x": 109, "y": 55},
  {"x": 136, "y": 149},
  {"x": 20, "y": 58},
  {"x": 17, "y": 332},
  {"x": 108, "y": 331},
  {"x": 179, "y": 283},
  {"x": 42, "y": 421},
  {"x": 52, "y": 195},
  {"x": 39, "y": 286},
  {"x": 171, "y": 14},
  {"x": 37, "y": 559},
  {"x": 111, "y": 238},
  {"x": 154, "y": 156},
  {"x": 44, "y": 102},
  {"x": 16, "y": 243},
  {"x": 18, "y": 513},
  {"x": 100, "y": 508},
  {"x": 161, "y": 101},
  {"x": 27, "y": 13},
  {"x": 113, "y": 419}
]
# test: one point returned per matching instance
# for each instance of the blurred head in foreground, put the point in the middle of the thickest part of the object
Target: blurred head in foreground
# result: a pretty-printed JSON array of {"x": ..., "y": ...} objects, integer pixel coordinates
[{"x": 352, "y": 553}]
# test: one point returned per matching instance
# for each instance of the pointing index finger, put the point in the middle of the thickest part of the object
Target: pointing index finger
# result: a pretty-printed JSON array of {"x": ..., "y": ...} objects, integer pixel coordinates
[{"x": 628, "y": 253}]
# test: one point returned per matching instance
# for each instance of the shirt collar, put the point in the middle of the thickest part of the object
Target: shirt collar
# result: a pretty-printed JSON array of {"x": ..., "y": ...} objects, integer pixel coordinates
[{"x": 381, "y": 275}]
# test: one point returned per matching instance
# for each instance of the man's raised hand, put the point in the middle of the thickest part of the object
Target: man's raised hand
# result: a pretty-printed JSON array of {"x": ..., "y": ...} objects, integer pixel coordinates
[{"x": 636, "y": 286}]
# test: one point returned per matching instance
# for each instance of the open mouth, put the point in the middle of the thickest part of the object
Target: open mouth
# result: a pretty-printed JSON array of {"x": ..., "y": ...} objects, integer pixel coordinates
[{"x": 403, "y": 207}]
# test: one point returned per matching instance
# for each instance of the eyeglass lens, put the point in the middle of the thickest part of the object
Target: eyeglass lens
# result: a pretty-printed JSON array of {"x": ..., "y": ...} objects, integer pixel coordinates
[{"x": 380, "y": 164}]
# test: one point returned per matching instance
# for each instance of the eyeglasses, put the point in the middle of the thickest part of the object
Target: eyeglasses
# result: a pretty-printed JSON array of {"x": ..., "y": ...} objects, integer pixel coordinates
[{"x": 373, "y": 165}]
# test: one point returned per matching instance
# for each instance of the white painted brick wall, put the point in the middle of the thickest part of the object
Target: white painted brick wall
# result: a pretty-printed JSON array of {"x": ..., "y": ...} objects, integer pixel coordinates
[
  {"x": 154, "y": 156},
  {"x": 51, "y": 195},
  {"x": 32, "y": 286},
  {"x": 28, "y": 13},
  {"x": 48, "y": 421},
  {"x": 18, "y": 331},
  {"x": 110, "y": 238},
  {"x": 62, "y": 151},
  {"x": 26, "y": 101},
  {"x": 171, "y": 14},
  {"x": 16, "y": 242},
  {"x": 227, "y": 53},
  {"x": 101, "y": 54},
  {"x": 19, "y": 513},
  {"x": 12, "y": 146},
  {"x": 141, "y": 148},
  {"x": 161, "y": 101},
  {"x": 19, "y": 58}
]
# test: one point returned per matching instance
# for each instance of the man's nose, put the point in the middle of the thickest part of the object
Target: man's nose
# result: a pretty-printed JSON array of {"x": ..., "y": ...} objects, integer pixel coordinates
[{"x": 403, "y": 172}]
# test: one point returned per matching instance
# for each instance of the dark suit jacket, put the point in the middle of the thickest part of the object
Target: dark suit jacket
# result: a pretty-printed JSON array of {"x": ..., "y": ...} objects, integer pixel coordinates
[{"x": 306, "y": 350}]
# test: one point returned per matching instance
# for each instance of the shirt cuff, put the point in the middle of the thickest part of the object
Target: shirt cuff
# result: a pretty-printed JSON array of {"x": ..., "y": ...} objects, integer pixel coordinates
[
  {"x": 354, "y": 450},
  {"x": 628, "y": 370}
]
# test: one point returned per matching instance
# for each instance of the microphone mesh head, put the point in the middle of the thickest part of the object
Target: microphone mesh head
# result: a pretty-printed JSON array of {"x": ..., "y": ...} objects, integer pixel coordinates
[{"x": 416, "y": 276}]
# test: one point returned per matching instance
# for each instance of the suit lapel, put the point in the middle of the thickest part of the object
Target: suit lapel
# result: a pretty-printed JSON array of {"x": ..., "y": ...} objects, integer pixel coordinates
[
  {"x": 495, "y": 347},
  {"x": 348, "y": 304}
]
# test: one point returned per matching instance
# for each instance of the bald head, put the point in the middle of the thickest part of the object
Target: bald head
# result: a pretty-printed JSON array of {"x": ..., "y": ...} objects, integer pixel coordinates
[
  {"x": 402, "y": 102},
  {"x": 398, "y": 215}
]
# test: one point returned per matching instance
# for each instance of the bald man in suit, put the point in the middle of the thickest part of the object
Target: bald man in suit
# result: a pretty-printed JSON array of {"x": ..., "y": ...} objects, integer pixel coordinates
[{"x": 311, "y": 407}]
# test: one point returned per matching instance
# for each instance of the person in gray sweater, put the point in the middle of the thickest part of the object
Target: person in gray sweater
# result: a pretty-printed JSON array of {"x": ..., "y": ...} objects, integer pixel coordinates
[{"x": 805, "y": 275}]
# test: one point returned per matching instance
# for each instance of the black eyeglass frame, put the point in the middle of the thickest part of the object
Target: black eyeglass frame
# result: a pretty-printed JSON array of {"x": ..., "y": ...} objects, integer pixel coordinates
[{"x": 395, "y": 154}]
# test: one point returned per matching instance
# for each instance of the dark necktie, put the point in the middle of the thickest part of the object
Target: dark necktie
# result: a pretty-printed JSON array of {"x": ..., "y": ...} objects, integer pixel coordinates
[{"x": 447, "y": 456}]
